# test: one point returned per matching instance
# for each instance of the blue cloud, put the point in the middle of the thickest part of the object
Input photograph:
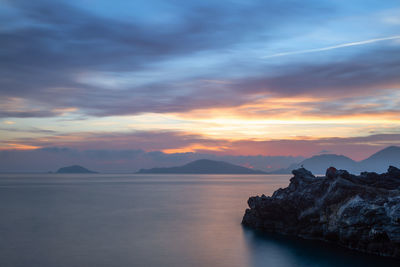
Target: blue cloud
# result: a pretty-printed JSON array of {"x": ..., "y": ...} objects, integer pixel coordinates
[{"x": 170, "y": 48}]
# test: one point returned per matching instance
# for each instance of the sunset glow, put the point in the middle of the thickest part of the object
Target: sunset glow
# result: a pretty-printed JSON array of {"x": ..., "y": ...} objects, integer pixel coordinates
[
  {"x": 196, "y": 132},
  {"x": 192, "y": 82}
]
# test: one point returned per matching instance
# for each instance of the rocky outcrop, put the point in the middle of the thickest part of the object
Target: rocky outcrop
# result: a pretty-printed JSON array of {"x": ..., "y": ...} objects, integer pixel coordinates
[{"x": 359, "y": 212}]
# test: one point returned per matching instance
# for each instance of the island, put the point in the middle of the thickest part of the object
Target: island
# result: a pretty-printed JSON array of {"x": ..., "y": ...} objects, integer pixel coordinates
[
  {"x": 74, "y": 169},
  {"x": 358, "y": 212},
  {"x": 204, "y": 166}
]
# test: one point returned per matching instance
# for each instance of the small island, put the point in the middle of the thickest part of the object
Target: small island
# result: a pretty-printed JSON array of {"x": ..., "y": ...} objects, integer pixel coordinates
[
  {"x": 358, "y": 212},
  {"x": 204, "y": 166},
  {"x": 74, "y": 169}
]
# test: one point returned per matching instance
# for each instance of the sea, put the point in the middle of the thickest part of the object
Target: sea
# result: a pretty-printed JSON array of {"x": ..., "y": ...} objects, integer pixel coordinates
[{"x": 83, "y": 220}]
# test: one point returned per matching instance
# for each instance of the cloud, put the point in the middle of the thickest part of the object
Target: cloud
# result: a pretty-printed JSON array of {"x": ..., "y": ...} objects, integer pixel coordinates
[
  {"x": 371, "y": 70},
  {"x": 58, "y": 56},
  {"x": 172, "y": 142},
  {"x": 355, "y": 77},
  {"x": 28, "y": 130},
  {"x": 144, "y": 140},
  {"x": 46, "y": 46},
  {"x": 196, "y": 62}
]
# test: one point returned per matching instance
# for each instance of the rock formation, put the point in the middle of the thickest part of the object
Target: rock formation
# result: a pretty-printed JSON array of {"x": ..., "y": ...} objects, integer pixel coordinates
[{"x": 358, "y": 212}]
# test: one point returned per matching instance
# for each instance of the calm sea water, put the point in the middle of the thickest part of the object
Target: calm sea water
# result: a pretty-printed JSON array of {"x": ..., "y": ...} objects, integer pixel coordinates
[{"x": 148, "y": 220}]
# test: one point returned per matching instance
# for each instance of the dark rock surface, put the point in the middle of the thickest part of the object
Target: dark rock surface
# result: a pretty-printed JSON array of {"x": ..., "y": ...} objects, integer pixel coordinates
[{"x": 359, "y": 212}]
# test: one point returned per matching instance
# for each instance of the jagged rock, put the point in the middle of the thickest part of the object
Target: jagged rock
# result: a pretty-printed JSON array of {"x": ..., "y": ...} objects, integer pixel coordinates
[
  {"x": 359, "y": 212},
  {"x": 331, "y": 172}
]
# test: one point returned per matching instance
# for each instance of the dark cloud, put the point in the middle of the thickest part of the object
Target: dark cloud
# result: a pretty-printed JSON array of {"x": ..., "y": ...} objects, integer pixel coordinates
[
  {"x": 46, "y": 44},
  {"x": 27, "y": 114},
  {"x": 366, "y": 76},
  {"x": 374, "y": 69},
  {"x": 60, "y": 37},
  {"x": 28, "y": 130}
]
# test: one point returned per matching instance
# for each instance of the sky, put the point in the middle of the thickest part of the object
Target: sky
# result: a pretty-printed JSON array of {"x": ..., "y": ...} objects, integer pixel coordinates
[{"x": 228, "y": 77}]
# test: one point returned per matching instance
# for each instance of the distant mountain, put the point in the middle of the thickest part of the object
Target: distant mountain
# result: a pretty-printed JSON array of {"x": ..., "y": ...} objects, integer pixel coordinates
[
  {"x": 126, "y": 161},
  {"x": 74, "y": 169},
  {"x": 378, "y": 162},
  {"x": 318, "y": 164},
  {"x": 204, "y": 166}
]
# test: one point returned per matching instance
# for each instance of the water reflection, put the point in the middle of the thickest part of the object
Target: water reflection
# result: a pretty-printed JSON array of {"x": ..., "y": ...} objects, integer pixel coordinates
[
  {"x": 266, "y": 249},
  {"x": 146, "y": 220}
]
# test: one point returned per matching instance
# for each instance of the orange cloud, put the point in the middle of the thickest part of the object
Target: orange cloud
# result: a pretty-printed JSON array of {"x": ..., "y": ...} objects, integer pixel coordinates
[
  {"x": 63, "y": 111},
  {"x": 194, "y": 148},
  {"x": 18, "y": 147},
  {"x": 180, "y": 142}
]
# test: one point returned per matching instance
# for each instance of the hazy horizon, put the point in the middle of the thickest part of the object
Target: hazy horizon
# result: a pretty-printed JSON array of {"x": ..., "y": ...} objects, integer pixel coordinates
[{"x": 128, "y": 161}]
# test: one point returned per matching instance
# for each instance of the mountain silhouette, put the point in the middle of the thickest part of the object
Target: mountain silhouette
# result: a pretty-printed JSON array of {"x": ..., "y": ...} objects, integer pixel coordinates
[
  {"x": 74, "y": 169},
  {"x": 204, "y": 166},
  {"x": 319, "y": 164},
  {"x": 378, "y": 162}
]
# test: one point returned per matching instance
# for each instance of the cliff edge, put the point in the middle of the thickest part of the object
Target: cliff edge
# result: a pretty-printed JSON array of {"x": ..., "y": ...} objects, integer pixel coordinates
[{"x": 358, "y": 212}]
